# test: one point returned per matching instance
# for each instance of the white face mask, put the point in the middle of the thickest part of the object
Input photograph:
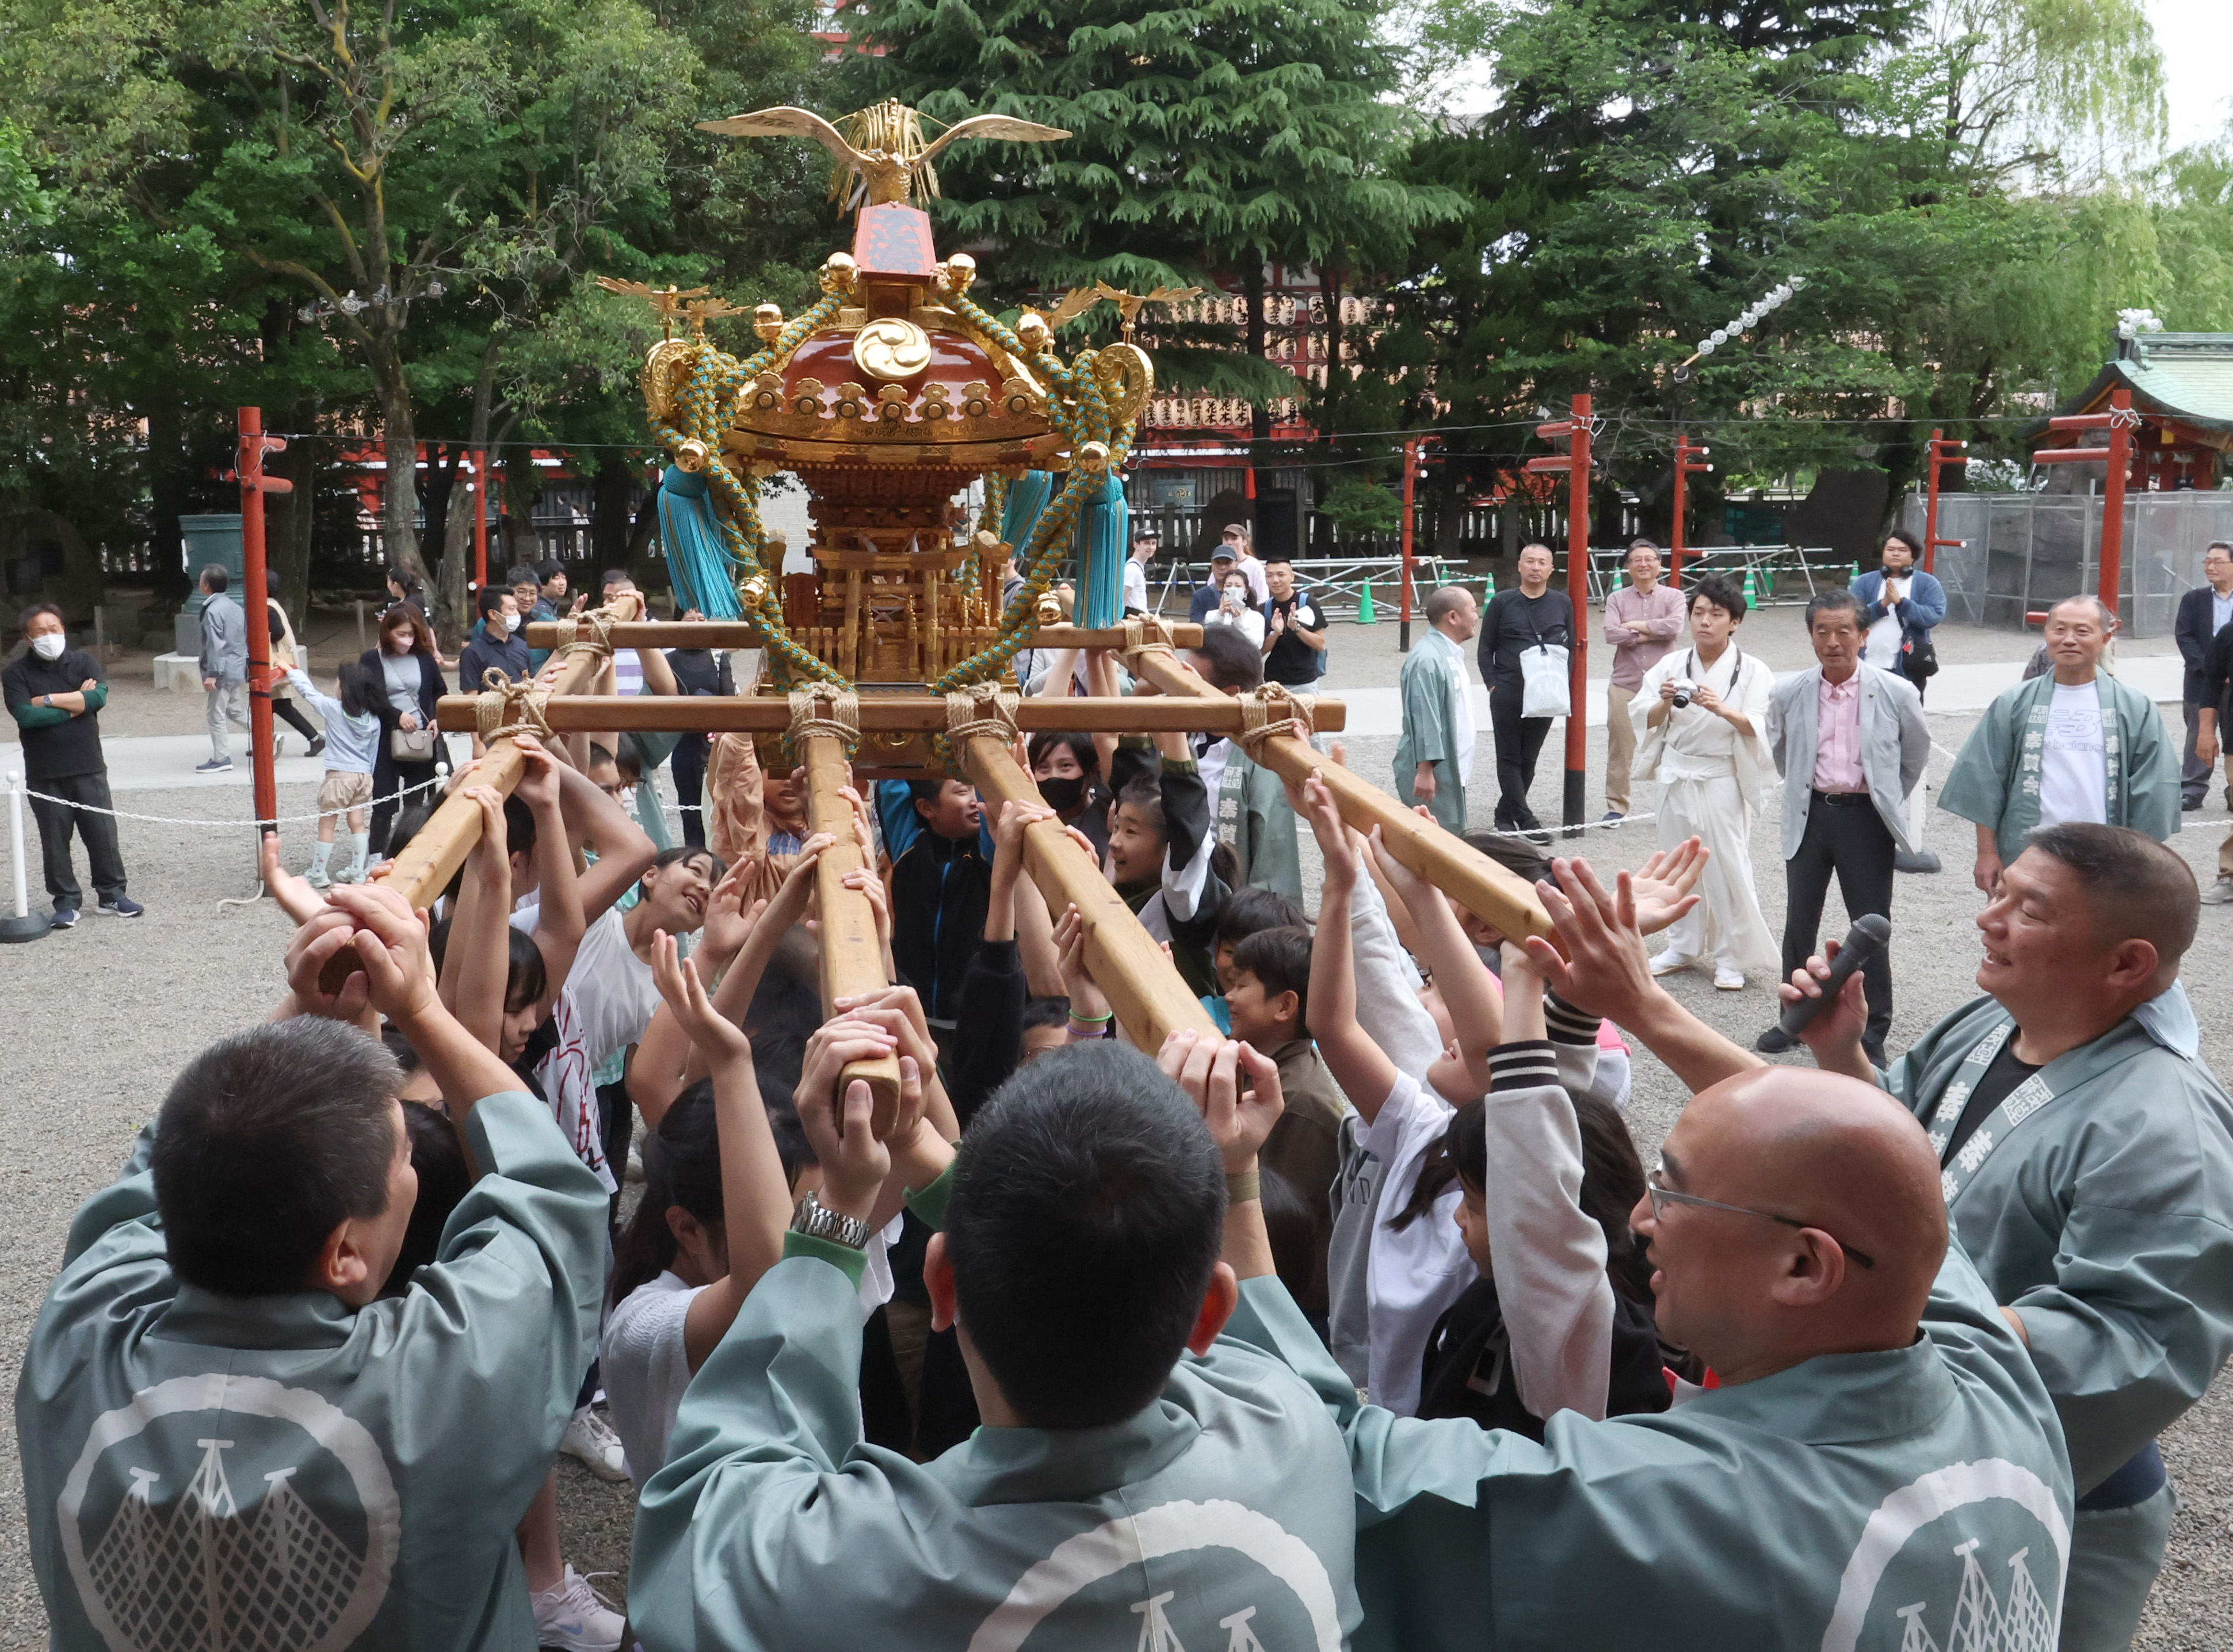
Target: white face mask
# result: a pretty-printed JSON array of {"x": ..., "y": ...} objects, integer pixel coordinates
[
  {"x": 49, "y": 645},
  {"x": 511, "y": 622}
]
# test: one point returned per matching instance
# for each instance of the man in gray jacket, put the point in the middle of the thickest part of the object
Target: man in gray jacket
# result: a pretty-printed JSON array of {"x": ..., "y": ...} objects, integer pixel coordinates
[
  {"x": 224, "y": 667},
  {"x": 1850, "y": 741}
]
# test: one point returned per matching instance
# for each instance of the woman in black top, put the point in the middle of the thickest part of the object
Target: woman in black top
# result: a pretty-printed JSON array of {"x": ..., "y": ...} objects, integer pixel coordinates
[{"x": 410, "y": 683}]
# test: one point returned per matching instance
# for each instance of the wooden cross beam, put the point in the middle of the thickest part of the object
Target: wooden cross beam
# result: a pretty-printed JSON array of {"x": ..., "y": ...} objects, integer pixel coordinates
[
  {"x": 743, "y": 633},
  {"x": 899, "y": 712},
  {"x": 1479, "y": 884},
  {"x": 435, "y": 852}
]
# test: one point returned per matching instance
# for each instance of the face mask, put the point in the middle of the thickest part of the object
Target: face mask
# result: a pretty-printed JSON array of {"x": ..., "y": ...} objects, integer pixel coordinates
[
  {"x": 1063, "y": 796},
  {"x": 511, "y": 622},
  {"x": 49, "y": 645}
]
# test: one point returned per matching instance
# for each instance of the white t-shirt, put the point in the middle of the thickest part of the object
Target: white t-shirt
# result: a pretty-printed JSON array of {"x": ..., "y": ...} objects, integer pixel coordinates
[
  {"x": 2074, "y": 770},
  {"x": 1881, "y": 648},
  {"x": 1136, "y": 586},
  {"x": 1415, "y": 1272},
  {"x": 645, "y": 1368},
  {"x": 645, "y": 1363},
  {"x": 613, "y": 991}
]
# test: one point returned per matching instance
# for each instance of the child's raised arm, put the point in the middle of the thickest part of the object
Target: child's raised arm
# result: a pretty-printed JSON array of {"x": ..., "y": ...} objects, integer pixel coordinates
[
  {"x": 755, "y": 1197},
  {"x": 1359, "y": 1066},
  {"x": 1469, "y": 991}
]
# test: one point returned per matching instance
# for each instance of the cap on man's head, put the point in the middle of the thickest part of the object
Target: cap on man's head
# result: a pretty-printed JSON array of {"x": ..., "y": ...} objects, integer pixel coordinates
[{"x": 1223, "y": 554}]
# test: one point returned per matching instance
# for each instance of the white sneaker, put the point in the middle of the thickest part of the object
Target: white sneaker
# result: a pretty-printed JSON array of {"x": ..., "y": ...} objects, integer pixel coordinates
[
  {"x": 633, "y": 1174},
  {"x": 574, "y": 1617},
  {"x": 591, "y": 1438},
  {"x": 1728, "y": 977},
  {"x": 2218, "y": 893},
  {"x": 1670, "y": 960}
]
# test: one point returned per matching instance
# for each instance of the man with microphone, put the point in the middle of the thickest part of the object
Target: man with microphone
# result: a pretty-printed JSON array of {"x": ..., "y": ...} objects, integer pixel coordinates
[{"x": 1849, "y": 742}]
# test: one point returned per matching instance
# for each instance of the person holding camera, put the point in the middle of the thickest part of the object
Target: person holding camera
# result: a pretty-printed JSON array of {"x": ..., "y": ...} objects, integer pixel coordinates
[
  {"x": 1701, "y": 716},
  {"x": 1901, "y": 605},
  {"x": 1237, "y": 609}
]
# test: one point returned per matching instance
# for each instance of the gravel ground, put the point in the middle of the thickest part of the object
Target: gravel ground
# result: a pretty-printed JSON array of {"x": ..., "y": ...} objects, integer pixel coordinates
[{"x": 99, "y": 1019}]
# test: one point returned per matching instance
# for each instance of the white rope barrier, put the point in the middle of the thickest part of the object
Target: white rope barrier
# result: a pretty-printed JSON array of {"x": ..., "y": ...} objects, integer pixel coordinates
[{"x": 229, "y": 825}]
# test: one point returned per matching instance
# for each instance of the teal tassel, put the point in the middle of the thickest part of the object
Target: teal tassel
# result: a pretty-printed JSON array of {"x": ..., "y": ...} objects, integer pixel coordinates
[
  {"x": 1027, "y": 497},
  {"x": 1105, "y": 532},
  {"x": 697, "y": 562}
]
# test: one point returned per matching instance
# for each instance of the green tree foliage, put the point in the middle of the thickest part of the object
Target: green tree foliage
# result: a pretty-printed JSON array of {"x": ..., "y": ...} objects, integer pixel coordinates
[
  {"x": 1208, "y": 140},
  {"x": 1652, "y": 169},
  {"x": 370, "y": 209}
]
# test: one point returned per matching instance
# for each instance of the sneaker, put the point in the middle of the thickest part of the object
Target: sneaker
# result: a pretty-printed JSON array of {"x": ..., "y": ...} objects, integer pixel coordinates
[
  {"x": 591, "y": 1438},
  {"x": 1775, "y": 1042},
  {"x": 278, "y": 746},
  {"x": 317, "y": 744},
  {"x": 1670, "y": 960},
  {"x": 123, "y": 907},
  {"x": 2218, "y": 893},
  {"x": 1921, "y": 861},
  {"x": 215, "y": 765},
  {"x": 1728, "y": 978},
  {"x": 633, "y": 1174},
  {"x": 318, "y": 878},
  {"x": 2190, "y": 805},
  {"x": 575, "y": 1617},
  {"x": 1611, "y": 817},
  {"x": 64, "y": 918}
]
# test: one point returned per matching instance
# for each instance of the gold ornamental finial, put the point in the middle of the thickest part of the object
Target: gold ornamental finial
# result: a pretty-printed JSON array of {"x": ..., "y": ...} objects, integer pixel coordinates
[
  {"x": 881, "y": 154},
  {"x": 665, "y": 301},
  {"x": 1128, "y": 306},
  {"x": 699, "y": 311}
]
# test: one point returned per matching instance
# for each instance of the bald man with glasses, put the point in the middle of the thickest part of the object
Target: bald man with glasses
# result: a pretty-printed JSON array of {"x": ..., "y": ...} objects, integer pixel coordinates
[{"x": 1874, "y": 1452}]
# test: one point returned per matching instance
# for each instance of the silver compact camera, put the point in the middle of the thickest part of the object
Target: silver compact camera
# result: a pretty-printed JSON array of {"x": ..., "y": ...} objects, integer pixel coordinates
[{"x": 1684, "y": 689}]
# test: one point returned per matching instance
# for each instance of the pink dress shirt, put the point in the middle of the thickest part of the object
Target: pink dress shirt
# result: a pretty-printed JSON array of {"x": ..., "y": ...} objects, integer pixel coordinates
[
  {"x": 1661, "y": 616},
  {"x": 1838, "y": 737}
]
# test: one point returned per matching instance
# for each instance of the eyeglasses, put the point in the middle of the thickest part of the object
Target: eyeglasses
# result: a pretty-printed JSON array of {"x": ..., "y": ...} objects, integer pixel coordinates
[{"x": 1661, "y": 1196}]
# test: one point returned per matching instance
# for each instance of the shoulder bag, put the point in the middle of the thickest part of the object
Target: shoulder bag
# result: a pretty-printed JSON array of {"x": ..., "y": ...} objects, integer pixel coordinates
[{"x": 1543, "y": 685}]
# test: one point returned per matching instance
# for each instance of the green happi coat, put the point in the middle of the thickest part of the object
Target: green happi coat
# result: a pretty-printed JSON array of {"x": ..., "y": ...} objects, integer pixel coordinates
[
  {"x": 1438, "y": 726},
  {"x": 290, "y": 1472},
  {"x": 1840, "y": 1505},
  {"x": 1219, "y": 1517},
  {"x": 2098, "y": 1201},
  {"x": 1254, "y": 817},
  {"x": 1994, "y": 779}
]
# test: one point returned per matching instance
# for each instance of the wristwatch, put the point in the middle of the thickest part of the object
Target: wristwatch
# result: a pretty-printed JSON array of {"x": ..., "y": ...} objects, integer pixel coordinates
[{"x": 817, "y": 1221}]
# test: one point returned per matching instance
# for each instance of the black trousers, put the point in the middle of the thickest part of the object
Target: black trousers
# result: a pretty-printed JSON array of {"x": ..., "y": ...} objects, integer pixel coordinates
[
  {"x": 688, "y": 767},
  {"x": 57, "y": 821},
  {"x": 389, "y": 776},
  {"x": 1844, "y": 835},
  {"x": 1519, "y": 743},
  {"x": 291, "y": 714}
]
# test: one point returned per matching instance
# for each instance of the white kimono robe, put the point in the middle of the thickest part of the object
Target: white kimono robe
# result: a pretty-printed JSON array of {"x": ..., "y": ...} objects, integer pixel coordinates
[{"x": 1710, "y": 781}]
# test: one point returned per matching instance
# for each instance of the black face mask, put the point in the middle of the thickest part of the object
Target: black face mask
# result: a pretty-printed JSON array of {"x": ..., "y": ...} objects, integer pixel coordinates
[{"x": 1062, "y": 795}]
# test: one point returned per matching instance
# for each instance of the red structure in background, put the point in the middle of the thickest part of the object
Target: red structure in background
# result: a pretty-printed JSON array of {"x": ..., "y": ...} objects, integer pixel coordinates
[
  {"x": 1689, "y": 461},
  {"x": 2120, "y": 421},
  {"x": 1574, "y": 464},
  {"x": 254, "y": 485},
  {"x": 1943, "y": 453}
]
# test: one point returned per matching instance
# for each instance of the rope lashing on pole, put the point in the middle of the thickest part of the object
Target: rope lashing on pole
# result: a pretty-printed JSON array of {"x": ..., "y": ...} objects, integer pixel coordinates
[
  {"x": 1269, "y": 710},
  {"x": 822, "y": 708},
  {"x": 1145, "y": 635},
  {"x": 982, "y": 710},
  {"x": 505, "y": 707}
]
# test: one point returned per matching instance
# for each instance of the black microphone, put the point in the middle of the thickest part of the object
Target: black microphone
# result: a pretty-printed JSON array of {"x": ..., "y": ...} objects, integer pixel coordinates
[{"x": 1869, "y": 935}]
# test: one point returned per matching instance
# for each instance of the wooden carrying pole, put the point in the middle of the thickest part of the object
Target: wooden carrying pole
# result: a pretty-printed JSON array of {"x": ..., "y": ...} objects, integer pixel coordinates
[
  {"x": 1476, "y": 883},
  {"x": 433, "y": 856},
  {"x": 742, "y": 634},
  {"x": 919, "y": 714},
  {"x": 1144, "y": 988},
  {"x": 852, "y": 954}
]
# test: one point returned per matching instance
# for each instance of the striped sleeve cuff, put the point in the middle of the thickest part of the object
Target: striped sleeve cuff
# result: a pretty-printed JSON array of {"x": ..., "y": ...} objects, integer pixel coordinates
[
  {"x": 1567, "y": 1025},
  {"x": 1529, "y": 1064}
]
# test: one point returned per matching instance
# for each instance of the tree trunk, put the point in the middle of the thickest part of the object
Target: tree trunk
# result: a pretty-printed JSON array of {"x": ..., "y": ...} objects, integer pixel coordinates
[
  {"x": 399, "y": 489},
  {"x": 1335, "y": 381},
  {"x": 166, "y": 494},
  {"x": 1260, "y": 416},
  {"x": 450, "y": 598}
]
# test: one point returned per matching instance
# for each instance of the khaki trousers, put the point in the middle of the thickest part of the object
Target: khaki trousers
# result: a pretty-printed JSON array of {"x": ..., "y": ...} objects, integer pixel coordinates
[{"x": 1620, "y": 747}]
